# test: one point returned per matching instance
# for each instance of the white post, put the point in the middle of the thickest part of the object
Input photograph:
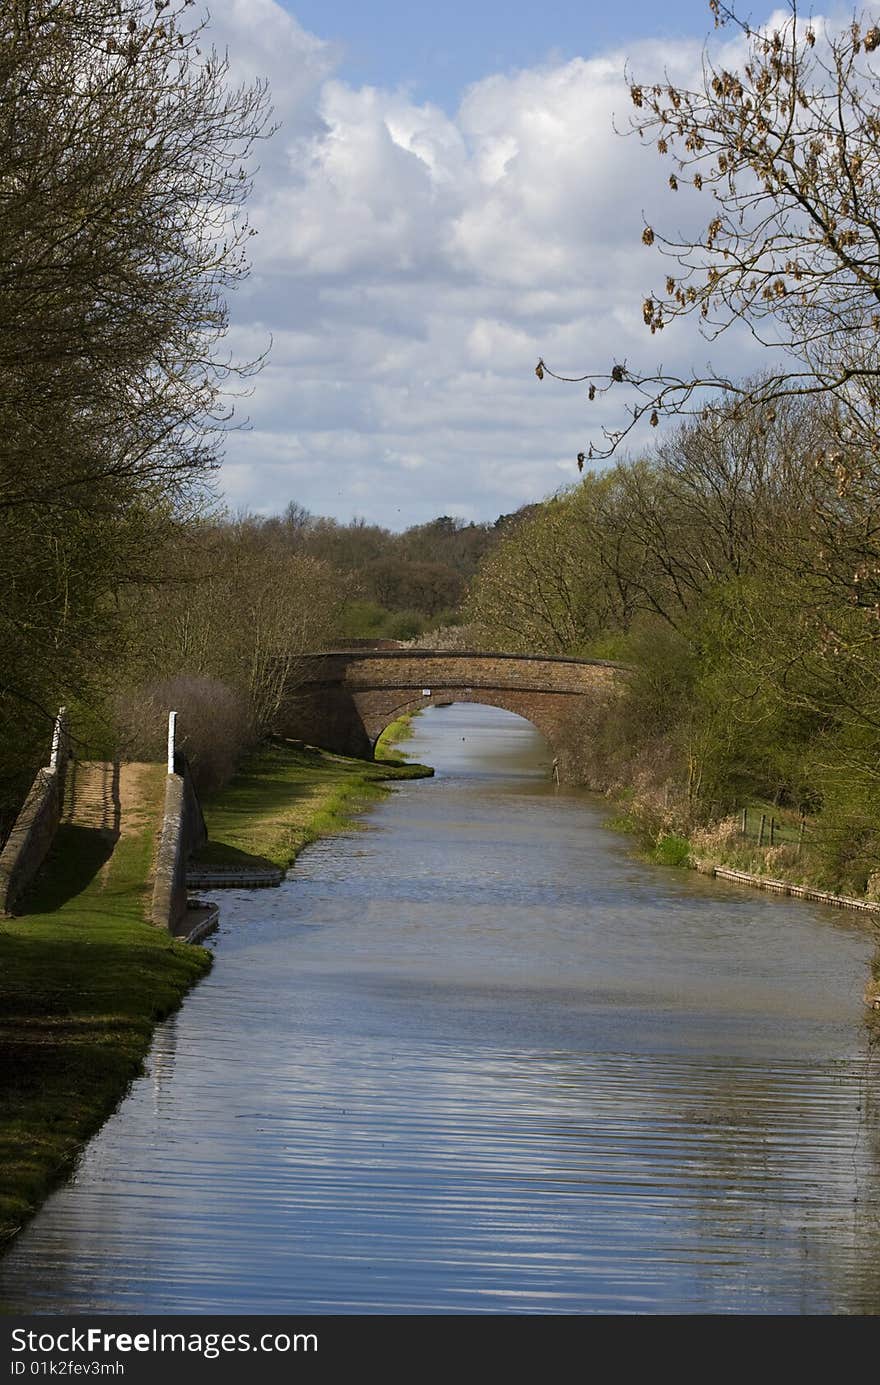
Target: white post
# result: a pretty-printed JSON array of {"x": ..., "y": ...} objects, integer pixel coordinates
[
  {"x": 172, "y": 735},
  {"x": 57, "y": 733}
]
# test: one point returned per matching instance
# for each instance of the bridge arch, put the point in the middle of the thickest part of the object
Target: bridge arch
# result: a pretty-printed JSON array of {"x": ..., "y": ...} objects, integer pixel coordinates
[
  {"x": 343, "y": 699},
  {"x": 445, "y": 696}
]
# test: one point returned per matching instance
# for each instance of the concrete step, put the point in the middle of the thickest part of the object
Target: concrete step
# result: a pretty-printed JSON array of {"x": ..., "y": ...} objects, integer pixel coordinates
[
  {"x": 231, "y": 878},
  {"x": 91, "y": 796}
]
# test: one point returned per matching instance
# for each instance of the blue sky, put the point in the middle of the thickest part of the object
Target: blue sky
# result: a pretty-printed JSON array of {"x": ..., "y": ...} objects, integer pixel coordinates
[
  {"x": 446, "y": 200},
  {"x": 438, "y": 49}
]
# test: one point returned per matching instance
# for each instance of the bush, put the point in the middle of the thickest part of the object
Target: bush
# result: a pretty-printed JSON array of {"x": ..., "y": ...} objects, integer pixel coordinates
[
  {"x": 214, "y": 726},
  {"x": 672, "y": 851},
  {"x": 455, "y": 636},
  {"x": 404, "y": 625},
  {"x": 361, "y": 620}
]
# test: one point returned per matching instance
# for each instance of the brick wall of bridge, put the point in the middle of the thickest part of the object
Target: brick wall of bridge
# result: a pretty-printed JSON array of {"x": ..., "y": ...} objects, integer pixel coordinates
[
  {"x": 343, "y": 701},
  {"x": 418, "y": 668}
]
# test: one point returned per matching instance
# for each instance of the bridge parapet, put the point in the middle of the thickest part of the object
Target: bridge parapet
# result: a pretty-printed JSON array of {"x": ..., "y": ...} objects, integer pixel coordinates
[{"x": 423, "y": 667}]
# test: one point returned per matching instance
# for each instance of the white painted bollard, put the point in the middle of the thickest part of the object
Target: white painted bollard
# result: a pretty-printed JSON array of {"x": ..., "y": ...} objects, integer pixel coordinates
[
  {"x": 57, "y": 733},
  {"x": 172, "y": 736}
]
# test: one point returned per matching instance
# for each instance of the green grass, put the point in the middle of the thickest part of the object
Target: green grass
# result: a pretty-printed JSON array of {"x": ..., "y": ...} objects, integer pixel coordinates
[
  {"x": 83, "y": 980},
  {"x": 787, "y": 823},
  {"x": 285, "y": 796},
  {"x": 387, "y": 746},
  {"x": 626, "y": 823},
  {"x": 667, "y": 850}
]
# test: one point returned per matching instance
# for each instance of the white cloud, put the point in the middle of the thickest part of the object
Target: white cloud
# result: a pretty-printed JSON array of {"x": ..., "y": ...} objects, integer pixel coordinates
[
  {"x": 412, "y": 267},
  {"x": 264, "y": 41}
]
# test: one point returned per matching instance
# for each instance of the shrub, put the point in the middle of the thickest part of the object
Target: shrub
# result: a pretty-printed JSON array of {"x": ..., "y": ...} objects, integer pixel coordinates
[
  {"x": 455, "y": 636},
  {"x": 672, "y": 851},
  {"x": 404, "y": 625},
  {"x": 214, "y": 726}
]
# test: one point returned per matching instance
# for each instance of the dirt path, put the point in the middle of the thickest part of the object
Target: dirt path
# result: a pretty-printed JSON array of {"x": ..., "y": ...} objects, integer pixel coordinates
[{"x": 116, "y": 800}]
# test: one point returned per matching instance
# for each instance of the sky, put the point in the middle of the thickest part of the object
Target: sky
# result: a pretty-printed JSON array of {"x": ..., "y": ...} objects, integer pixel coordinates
[{"x": 445, "y": 200}]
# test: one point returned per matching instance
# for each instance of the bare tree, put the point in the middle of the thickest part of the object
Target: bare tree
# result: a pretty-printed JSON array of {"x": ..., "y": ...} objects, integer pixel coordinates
[
  {"x": 785, "y": 146},
  {"x": 125, "y": 171},
  {"x": 245, "y": 610}
]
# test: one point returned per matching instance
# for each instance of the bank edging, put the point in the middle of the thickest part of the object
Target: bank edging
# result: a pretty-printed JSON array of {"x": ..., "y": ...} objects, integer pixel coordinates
[{"x": 766, "y": 882}]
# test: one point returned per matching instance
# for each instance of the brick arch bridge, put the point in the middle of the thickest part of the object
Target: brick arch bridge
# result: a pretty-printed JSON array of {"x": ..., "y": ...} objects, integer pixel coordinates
[{"x": 343, "y": 700}]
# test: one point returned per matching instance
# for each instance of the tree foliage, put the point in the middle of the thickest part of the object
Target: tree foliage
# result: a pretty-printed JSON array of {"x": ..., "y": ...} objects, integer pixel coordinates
[
  {"x": 755, "y": 670},
  {"x": 121, "y": 226},
  {"x": 545, "y": 586},
  {"x": 124, "y": 169}
]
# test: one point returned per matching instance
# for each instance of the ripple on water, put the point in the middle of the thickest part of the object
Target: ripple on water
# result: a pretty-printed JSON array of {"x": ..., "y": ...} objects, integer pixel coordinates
[{"x": 477, "y": 1060}]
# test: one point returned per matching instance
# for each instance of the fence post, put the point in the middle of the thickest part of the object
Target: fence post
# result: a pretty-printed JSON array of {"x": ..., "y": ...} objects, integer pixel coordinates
[
  {"x": 761, "y": 829},
  {"x": 744, "y": 828},
  {"x": 801, "y": 834},
  {"x": 772, "y": 831},
  {"x": 172, "y": 736}
]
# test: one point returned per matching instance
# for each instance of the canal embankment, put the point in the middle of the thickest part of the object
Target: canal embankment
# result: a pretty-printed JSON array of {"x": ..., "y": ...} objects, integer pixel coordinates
[
  {"x": 811, "y": 895},
  {"x": 783, "y": 867},
  {"x": 84, "y": 978},
  {"x": 85, "y": 975}
]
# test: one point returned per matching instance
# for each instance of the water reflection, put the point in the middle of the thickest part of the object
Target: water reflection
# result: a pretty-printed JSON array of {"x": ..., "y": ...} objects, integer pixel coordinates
[{"x": 474, "y": 1058}]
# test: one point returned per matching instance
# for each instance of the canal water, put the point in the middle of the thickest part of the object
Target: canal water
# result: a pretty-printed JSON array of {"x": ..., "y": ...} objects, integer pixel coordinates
[{"x": 474, "y": 1057}]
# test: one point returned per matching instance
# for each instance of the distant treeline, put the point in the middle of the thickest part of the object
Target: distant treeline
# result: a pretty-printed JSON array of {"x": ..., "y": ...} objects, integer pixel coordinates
[
  {"x": 212, "y": 622},
  {"x": 396, "y": 585}
]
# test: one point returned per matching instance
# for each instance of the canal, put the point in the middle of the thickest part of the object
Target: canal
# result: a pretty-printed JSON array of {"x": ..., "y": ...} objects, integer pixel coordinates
[{"x": 475, "y": 1057}]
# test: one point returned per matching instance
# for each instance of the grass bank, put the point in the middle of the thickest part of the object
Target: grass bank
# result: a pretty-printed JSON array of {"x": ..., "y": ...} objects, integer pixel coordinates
[
  {"x": 83, "y": 981},
  {"x": 785, "y": 847},
  {"x": 286, "y": 795},
  {"x": 388, "y": 744}
]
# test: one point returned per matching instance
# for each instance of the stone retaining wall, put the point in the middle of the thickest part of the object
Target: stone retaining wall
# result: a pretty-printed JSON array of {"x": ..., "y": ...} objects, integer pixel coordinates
[
  {"x": 183, "y": 831},
  {"x": 34, "y": 831}
]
